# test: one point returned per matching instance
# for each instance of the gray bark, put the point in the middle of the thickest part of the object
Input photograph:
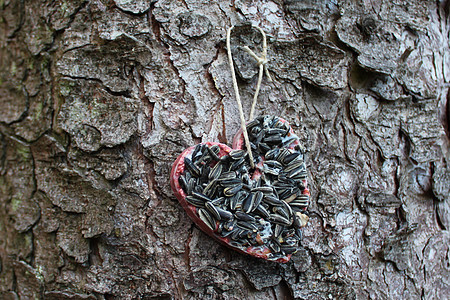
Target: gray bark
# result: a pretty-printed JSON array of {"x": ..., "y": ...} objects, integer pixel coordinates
[{"x": 98, "y": 98}]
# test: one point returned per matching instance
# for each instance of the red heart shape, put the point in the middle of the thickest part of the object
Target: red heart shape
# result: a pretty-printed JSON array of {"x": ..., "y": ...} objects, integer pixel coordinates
[{"x": 263, "y": 245}]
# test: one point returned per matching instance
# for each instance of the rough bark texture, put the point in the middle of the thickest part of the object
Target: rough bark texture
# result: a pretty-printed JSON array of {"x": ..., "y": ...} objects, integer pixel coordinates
[{"x": 98, "y": 98}]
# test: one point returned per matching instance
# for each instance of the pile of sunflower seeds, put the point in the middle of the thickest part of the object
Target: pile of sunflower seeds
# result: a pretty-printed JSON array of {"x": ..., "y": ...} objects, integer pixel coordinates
[{"x": 266, "y": 210}]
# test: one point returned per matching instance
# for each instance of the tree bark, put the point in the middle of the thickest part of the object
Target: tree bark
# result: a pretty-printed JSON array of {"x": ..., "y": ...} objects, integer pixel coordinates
[{"x": 98, "y": 98}]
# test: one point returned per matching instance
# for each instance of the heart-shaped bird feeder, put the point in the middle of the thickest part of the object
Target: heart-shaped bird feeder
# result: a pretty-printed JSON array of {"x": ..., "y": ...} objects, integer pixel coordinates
[{"x": 259, "y": 211}]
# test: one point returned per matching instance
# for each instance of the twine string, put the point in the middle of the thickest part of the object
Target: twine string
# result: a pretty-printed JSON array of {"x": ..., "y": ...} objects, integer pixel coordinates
[{"x": 261, "y": 61}]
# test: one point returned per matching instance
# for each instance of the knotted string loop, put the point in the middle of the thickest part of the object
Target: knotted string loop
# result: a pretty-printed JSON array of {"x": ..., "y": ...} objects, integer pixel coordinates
[{"x": 262, "y": 63}]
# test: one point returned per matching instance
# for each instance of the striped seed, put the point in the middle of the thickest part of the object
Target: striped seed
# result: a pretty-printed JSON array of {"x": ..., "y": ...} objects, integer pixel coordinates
[
  {"x": 206, "y": 217},
  {"x": 279, "y": 219},
  {"x": 258, "y": 198},
  {"x": 192, "y": 167},
  {"x": 215, "y": 172},
  {"x": 232, "y": 190}
]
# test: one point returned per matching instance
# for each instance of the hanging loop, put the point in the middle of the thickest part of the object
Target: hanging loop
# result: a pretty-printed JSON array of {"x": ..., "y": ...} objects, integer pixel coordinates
[{"x": 262, "y": 63}]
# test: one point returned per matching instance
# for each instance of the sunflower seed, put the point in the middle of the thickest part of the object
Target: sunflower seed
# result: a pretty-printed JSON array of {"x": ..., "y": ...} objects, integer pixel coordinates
[
  {"x": 263, "y": 147},
  {"x": 195, "y": 201},
  {"x": 244, "y": 217},
  {"x": 218, "y": 201},
  {"x": 247, "y": 204},
  {"x": 201, "y": 196},
  {"x": 207, "y": 218},
  {"x": 294, "y": 165},
  {"x": 298, "y": 204},
  {"x": 287, "y": 142},
  {"x": 273, "y": 164},
  {"x": 224, "y": 214},
  {"x": 237, "y": 232},
  {"x": 192, "y": 167},
  {"x": 191, "y": 184},
  {"x": 236, "y": 200},
  {"x": 272, "y": 154},
  {"x": 272, "y": 200},
  {"x": 237, "y": 154},
  {"x": 289, "y": 249},
  {"x": 277, "y": 230},
  {"x": 271, "y": 171},
  {"x": 209, "y": 189},
  {"x": 276, "y": 131},
  {"x": 303, "y": 197},
  {"x": 284, "y": 193},
  {"x": 232, "y": 190},
  {"x": 247, "y": 226},
  {"x": 215, "y": 172},
  {"x": 273, "y": 139},
  {"x": 288, "y": 209},
  {"x": 198, "y": 152},
  {"x": 228, "y": 175},
  {"x": 290, "y": 198},
  {"x": 262, "y": 211},
  {"x": 281, "y": 211},
  {"x": 257, "y": 200},
  {"x": 283, "y": 153},
  {"x": 279, "y": 219},
  {"x": 253, "y": 123},
  {"x": 299, "y": 173},
  {"x": 213, "y": 153},
  {"x": 237, "y": 164},
  {"x": 291, "y": 157},
  {"x": 213, "y": 210},
  {"x": 229, "y": 181},
  {"x": 274, "y": 246},
  {"x": 183, "y": 183},
  {"x": 267, "y": 190}
]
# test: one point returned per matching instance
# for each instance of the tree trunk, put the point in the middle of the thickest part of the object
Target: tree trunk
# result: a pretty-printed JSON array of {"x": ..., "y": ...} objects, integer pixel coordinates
[{"x": 98, "y": 98}]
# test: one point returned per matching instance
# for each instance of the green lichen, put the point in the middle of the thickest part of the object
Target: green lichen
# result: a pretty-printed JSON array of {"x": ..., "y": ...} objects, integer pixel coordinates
[
  {"x": 64, "y": 7},
  {"x": 117, "y": 232},
  {"x": 38, "y": 111},
  {"x": 43, "y": 34},
  {"x": 329, "y": 265},
  {"x": 28, "y": 239},
  {"x": 30, "y": 65},
  {"x": 13, "y": 68},
  {"x": 16, "y": 202},
  {"x": 83, "y": 111},
  {"x": 45, "y": 63},
  {"x": 4, "y": 186},
  {"x": 23, "y": 152},
  {"x": 65, "y": 87},
  {"x": 40, "y": 273}
]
